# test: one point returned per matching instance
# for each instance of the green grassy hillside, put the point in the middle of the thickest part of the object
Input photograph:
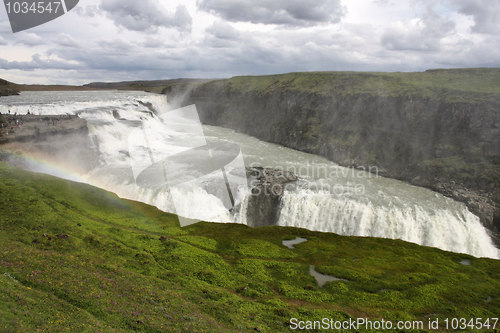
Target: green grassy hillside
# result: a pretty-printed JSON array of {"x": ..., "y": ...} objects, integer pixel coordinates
[
  {"x": 74, "y": 258},
  {"x": 454, "y": 85}
]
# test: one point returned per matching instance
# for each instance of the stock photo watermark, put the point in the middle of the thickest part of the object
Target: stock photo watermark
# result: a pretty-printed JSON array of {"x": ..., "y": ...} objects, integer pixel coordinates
[
  {"x": 181, "y": 160},
  {"x": 361, "y": 324},
  {"x": 276, "y": 180},
  {"x": 170, "y": 153},
  {"x": 27, "y": 14}
]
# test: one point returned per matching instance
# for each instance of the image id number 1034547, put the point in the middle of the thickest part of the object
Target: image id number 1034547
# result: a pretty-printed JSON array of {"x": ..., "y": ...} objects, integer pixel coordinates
[{"x": 37, "y": 7}]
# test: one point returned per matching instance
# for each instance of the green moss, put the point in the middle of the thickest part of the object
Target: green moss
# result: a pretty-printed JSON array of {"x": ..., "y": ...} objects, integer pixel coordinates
[
  {"x": 203, "y": 242},
  {"x": 258, "y": 248},
  {"x": 126, "y": 266}
]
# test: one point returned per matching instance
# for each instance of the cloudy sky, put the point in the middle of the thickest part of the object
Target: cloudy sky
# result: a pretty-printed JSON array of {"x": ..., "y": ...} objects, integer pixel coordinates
[{"x": 114, "y": 40}]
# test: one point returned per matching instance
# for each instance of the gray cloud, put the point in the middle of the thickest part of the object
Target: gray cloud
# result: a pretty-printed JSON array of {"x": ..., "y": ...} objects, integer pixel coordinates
[
  {"x": 36, "y": 63},
  {"x": 486, "y": 14},
  {"x": 66, "y": 40},
  {"x": 223, "y": 30},
  {"x": 221, "y": 34},
  {"x": 158, "y": 43},
  {"x": 86, "y": 11},
  {"x": 28, "y": 39},
  {"x": 423, "y": 34},
  {"x": 145, "y": 15},
  {"x": 287, "y": 12},
  {"x": 116, "y": 46}
]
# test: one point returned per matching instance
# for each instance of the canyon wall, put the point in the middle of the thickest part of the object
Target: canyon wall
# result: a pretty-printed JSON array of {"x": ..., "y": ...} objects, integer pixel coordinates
[{"x": 438, "y": 129}]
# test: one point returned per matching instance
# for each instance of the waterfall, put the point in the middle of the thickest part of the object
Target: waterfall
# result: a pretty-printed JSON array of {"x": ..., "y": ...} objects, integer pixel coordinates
[
  {"x": 387, "y": 208},
  {"x": 456, "y": 231}
]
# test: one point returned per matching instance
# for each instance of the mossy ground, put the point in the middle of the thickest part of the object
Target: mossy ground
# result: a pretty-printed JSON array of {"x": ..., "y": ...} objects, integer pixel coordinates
[{"x": 128, "y": 266}]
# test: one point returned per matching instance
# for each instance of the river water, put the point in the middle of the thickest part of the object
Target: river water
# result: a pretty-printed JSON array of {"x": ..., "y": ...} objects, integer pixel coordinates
[{"x": 326, "y": 198}]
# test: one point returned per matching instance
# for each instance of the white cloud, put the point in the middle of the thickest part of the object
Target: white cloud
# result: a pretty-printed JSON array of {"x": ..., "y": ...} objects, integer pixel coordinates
[
  {"x": 486, "y": 14},
  {"x": 66, "y": 40},
  {"x": 87, "y": 11},
  {"x": 29, "y": 39},
  {"x": 419, "y": 34}
]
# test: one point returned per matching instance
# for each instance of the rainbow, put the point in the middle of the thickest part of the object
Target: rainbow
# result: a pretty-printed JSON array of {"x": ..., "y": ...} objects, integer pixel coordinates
[{"x": 41, "y": 164}]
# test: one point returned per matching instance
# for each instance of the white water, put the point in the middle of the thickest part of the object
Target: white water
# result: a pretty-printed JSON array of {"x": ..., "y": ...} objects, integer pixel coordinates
[
  {"x": 454, "y": 230},
  {"x": 327, "y": 198}
]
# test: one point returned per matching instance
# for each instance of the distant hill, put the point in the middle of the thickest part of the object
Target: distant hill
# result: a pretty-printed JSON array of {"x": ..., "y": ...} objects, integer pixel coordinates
[
  {"x": 41, "y": 87},
  {"x": 7, "y": 88},
  {"x": 155, "y": 86}
]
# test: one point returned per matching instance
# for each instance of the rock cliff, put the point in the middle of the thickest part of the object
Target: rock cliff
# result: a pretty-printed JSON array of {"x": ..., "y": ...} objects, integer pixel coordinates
[{"x": 267, "y": 186}]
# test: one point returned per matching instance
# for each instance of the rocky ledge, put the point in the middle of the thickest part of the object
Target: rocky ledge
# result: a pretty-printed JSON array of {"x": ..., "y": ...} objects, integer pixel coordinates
[
  {"x": 63, "y": 139},
  {"x": 267, "y": 187},
  {"x": 27, "y": 128}
]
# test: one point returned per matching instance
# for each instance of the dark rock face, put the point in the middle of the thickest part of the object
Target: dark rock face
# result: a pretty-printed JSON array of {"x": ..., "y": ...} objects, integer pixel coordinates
[
  {"x": 267, "y": 187},
  {"x": 450, "y": 147},
  {"x": 26, "y": 128}
]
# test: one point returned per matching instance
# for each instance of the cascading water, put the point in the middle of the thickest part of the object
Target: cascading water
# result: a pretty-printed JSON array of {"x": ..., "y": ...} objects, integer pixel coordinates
[
  {"x": 455, "y": 230},
  {"x": 327, "y": 198}
]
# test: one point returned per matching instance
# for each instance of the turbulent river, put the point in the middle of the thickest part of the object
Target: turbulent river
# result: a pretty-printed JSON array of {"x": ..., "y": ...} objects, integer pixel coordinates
[{"x": 326, "y": 198}]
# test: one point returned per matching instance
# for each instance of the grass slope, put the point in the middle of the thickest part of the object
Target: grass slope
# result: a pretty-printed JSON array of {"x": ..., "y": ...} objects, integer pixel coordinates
[
  {"x": 453, "y": 85},
  {"x": 8, "y": 88},
  {"x": 75, "y": 258}
]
